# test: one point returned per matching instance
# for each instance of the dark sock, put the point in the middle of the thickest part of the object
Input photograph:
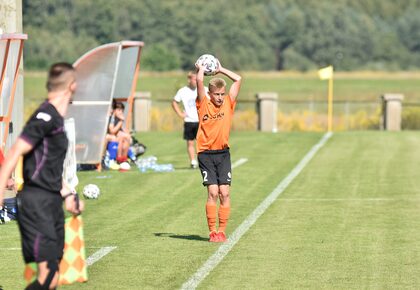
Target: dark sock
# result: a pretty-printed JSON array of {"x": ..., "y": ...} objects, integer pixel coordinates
[{"x": 36, "y": 286}]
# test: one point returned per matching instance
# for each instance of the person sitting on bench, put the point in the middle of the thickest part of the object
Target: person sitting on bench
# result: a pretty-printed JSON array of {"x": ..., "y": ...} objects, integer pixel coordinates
[{"x": 118, "y": 133}]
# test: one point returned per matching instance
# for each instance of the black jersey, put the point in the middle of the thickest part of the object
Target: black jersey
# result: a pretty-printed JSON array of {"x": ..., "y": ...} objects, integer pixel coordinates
[{"x": 43, "y": 165}]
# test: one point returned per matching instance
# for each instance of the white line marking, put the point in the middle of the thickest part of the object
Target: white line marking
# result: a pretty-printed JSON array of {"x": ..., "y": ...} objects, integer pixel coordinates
[
  {"x": 18, "y": 249},
  {"x": 95, "y": 257},
  {"x": 225, "y": 248},
  {"x": 239, "y": 162},
  {"x": 351, "y": 199}
]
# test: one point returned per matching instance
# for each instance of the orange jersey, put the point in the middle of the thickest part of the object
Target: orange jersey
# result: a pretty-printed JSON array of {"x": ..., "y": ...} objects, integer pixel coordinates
[{"x": 214, "y": 127}]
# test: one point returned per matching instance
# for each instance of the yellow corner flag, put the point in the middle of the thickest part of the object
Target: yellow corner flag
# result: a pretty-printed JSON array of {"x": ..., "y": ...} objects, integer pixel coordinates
[
  {"x": 326, "y": 73},
  {"x": 73, "y": 267}
]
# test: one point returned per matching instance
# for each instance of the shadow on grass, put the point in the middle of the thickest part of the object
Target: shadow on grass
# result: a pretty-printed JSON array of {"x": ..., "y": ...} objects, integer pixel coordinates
[{"x": 184, "y": 237}]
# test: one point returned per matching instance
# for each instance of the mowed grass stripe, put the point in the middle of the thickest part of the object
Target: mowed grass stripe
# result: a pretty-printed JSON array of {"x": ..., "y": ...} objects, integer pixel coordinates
[
  {"x": 225, "y": 248},
  {"x": 338, "y": 244}
]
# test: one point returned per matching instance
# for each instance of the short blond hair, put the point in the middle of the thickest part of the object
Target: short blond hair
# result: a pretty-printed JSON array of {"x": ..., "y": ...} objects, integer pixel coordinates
[
  {"x": 191, "y": 73},
  {"x": 216, "y": 83}
]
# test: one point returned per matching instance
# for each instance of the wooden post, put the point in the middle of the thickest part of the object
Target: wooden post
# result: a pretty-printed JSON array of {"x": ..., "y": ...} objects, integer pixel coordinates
[
  {"x": 142, "y": 111},
  {"x": 267, "y": 112},
  {"x": 391, "y": 112}
]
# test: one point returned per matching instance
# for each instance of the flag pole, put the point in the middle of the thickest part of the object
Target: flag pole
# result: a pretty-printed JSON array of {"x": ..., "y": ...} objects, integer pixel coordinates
[
  {"x": 330, "y": 103},
  {"x": 327, "y": 73}
]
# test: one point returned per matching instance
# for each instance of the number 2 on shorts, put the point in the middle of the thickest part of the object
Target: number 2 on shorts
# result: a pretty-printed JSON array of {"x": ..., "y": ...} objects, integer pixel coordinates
[{"x": 205, "y": 176}]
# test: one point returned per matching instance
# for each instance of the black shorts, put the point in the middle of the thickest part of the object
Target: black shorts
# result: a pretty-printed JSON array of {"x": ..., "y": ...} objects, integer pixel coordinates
[
  {"x": 190, "y": 130},
  {"x": 41, "y": 224},
  {"x": 215, "y": 167}
]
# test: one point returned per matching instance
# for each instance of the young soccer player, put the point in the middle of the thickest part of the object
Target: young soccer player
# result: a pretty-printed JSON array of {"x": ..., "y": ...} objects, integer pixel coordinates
[
  {"x": 215, "y": 117},
  {"x": 187, "y": 96},
  {"x": 43, "y": 144}
]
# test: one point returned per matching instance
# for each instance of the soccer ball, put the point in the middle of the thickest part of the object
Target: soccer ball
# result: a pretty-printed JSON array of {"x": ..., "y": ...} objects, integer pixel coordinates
[
  {"x": 91, "y": 191},
  {"x": 210, "y": 63}
]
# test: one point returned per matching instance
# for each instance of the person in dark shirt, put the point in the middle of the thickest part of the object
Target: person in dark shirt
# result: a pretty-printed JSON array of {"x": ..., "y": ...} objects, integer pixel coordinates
[
  {"x": 117, "y": 132},
  {"x": 43, "y": 145}
]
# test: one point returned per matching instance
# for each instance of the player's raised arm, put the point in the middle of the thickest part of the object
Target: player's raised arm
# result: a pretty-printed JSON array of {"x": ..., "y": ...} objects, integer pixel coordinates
[
  {"x": 237, "y": 79},
  {"x": 201, "y": 92}
]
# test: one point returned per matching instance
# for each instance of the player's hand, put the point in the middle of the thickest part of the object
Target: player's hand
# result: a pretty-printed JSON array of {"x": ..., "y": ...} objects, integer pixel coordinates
[
  {"x": 11, "y": 184},
  {"x": 120, "y": 115},
  {"x": 199, "y": 66},
  {"x": 74, "y": 205}
]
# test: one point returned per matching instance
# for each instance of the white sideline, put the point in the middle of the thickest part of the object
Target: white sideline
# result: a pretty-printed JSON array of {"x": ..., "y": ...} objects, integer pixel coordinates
[
  {"x": 95, "y": 257},
  {"x": 353, "y": 199},
  {"x": 18, "y": 249},
  {"x": 225, "y": 248},
  {"x": 239, "y": 162}
]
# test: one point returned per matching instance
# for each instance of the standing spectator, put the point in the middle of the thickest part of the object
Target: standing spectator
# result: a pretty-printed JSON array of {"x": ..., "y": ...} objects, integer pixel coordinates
[{"x": 187, "y": 96}]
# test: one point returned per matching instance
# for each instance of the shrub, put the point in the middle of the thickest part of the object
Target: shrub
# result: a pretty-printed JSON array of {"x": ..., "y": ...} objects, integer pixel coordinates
[{"x": 410, "y": 119}]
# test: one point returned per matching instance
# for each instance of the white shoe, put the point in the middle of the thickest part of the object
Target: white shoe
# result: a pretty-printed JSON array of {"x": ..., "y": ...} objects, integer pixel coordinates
[
  {"x": 114, "y": 165},
  {"x": 125, "y": 166}
]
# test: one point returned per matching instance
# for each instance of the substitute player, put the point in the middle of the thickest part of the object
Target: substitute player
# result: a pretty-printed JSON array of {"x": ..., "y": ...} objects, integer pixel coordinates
[
  {"x": 187, "y": 96},
  {"x": 215, "y": 117},
  {"x": 43, "y": 144}
]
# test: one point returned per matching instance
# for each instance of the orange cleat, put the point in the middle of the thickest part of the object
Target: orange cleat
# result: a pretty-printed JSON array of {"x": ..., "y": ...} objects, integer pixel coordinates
[
  {"x": 221, "y": 237},
  {"x": 213, "y": 237}
]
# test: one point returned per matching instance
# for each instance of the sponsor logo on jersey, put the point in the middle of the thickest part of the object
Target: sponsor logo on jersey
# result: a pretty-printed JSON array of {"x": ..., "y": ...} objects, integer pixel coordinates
[{"x": 218, "y": 116}]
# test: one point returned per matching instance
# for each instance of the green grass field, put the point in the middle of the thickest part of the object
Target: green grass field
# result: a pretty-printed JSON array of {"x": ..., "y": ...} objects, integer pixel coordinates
[{"x": 350, "y": 219}]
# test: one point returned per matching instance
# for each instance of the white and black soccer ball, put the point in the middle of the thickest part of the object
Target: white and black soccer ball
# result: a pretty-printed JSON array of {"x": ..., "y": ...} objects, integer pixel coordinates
[
  {"x": 210, "y": 63},
  {"x": 91, "y": 191}
]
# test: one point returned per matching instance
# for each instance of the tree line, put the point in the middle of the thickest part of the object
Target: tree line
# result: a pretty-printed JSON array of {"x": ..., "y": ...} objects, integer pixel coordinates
[{"x": 244, "y": 34}]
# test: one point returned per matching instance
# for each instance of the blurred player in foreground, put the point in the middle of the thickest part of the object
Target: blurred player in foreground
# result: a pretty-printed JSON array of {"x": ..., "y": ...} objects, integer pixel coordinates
[{"x": 43, "y": 145}]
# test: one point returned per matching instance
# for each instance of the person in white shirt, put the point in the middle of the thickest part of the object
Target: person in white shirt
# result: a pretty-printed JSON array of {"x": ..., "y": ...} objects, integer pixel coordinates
[{"x": 187, "y": 95}]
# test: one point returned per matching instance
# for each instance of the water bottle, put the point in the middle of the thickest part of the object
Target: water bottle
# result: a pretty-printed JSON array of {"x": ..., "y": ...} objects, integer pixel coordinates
[
  {"x": 141, "y": 164},
  {"x": 106, "y": 160}
]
